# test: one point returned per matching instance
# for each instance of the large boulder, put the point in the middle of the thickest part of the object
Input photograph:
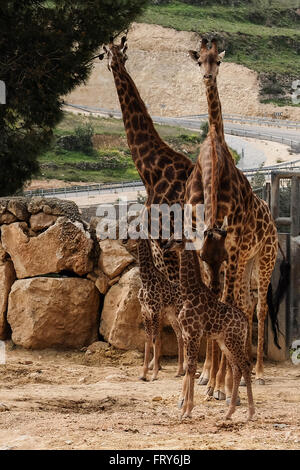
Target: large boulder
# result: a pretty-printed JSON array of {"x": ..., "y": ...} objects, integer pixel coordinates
[
  {"x": 121, "y": 321},
  {"x": 49, "y": 312},
  {"x": 114, "y": 258},
  {"x": 7, "y": 277},
  {"x": 64, "y": 246},
  {"x": 41, "y": 221}
]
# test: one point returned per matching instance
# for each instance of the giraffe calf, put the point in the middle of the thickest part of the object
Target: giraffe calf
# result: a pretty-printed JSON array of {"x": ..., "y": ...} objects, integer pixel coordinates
[
  {"x": 203, "y": 314},
  {"x": 159, "y": 299}
]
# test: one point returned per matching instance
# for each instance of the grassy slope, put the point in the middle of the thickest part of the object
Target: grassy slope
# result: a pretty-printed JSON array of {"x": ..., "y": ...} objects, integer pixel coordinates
[
  {"x": 59, "y": 164},
  {"x": 271, "y": 47}
]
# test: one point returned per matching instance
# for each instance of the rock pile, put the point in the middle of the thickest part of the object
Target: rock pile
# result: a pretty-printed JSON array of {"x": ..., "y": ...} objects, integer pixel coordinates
[
  {"x": 46, "y": 252},
  {"x": 55, "y": 274}
]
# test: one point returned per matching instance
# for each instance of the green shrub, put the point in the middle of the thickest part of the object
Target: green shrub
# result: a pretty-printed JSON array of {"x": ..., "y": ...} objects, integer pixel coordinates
[
  {"x": 204, "y": 129},
  {"x": 81, "y": 141}
]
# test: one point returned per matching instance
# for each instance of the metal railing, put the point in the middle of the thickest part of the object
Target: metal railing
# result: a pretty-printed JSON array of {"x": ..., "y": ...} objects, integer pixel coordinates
[
  {"x": 192, "y": 122},
  {"x": 101, "y": 188},
  {"x": 260, "y": 120}
]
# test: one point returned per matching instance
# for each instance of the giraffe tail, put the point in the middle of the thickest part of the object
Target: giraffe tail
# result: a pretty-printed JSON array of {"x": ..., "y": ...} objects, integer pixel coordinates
[
  {"x": 275, "y": 300},
  {"x": 273, "y": 316}
]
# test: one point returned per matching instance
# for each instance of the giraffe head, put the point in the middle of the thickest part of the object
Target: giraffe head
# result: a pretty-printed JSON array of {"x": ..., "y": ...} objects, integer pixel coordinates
[
  {"x": 173, "y": 244},
  {"x": 214, "y": 253},
  {"x": 115, "y": 53},
  {"x": 209, "y": 60}
]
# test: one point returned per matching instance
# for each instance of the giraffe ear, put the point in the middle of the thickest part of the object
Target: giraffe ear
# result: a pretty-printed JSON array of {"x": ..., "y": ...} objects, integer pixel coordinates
[
  {"x": 222, "y": 55},
  {"x": 194, "y": 55}
]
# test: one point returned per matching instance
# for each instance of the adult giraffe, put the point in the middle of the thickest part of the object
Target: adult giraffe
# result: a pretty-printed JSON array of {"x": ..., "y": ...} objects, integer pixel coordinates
[
  {"x": 251, "y": 232},
  {"x": 163, "y": 171}
]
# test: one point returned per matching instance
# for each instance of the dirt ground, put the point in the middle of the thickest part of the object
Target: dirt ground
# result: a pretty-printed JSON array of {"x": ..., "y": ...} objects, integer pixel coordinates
[{"x": 85, "y": 400}]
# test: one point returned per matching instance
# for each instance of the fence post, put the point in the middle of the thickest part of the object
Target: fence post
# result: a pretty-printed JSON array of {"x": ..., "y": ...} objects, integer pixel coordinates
[
  {"x": 275, "y": 195},
  {"x": 295, "y": 212}
]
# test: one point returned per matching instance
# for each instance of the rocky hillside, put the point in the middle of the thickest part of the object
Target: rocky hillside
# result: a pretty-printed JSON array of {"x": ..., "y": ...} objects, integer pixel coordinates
[{"x": 170, "y": 83}]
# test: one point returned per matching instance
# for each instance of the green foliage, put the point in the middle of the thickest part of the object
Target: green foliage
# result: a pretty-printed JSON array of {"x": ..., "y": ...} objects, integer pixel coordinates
[
  {"x": 46, "y": 49},
  {"x": 204, "y": 129},
  {"x": 192, "y": 139},
  {"x": 260, "y": 34},
  {"x": 81, "y": 141},
  {"x": 258, "y": 180}
]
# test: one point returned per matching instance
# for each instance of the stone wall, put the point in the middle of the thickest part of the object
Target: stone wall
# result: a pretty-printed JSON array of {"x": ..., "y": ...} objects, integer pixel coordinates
[{"x": 55, "y": 274}]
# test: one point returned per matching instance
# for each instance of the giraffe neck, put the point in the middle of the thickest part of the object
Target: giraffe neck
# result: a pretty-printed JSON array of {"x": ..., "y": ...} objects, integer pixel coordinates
[
  {"x": 189, "y": 274},
  {"x": 215, "y": 110},
  {"x": 137, "y": 121},
  {"x": 145, "y": 260}
]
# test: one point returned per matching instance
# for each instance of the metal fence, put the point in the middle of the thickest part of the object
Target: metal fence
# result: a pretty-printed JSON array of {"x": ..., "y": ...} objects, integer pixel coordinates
[
  {"x": 261, "y": 121},
  {"x": 102, "y": 188},
  {"x": 193, "y": 123}
]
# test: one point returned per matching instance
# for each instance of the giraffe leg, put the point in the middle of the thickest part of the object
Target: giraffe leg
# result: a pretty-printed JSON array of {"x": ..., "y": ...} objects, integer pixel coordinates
[
  {"x": 237, "y": 374},
  {"x": 156, "y": 356},
  {"x": 264, "y": 277},
  {"x": 246, "y": 371},
  {"x": 176, "y": 327},
  {"x": 245, "y": 303},
  {"x": 146, "y": 359},
  {"x": 219, "y": 392},
  {"x": 214, "y": 369},
  {"x": 187, "y": 398},
  {"x": 204, "y": 377},
  {"x": 229, "y": 385},
  {"x": 148, "y": 331}
]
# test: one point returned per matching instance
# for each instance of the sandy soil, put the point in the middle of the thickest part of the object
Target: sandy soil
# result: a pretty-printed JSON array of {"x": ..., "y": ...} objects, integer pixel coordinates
[
  {"x": 75, "y": 400},
  {"x": 170, "y": 83}
]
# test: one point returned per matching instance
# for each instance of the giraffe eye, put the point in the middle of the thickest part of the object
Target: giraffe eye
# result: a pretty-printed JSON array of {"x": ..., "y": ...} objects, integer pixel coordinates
[
  {"x": 199, "y": 63},
  {"x": 219, "y": 62}
]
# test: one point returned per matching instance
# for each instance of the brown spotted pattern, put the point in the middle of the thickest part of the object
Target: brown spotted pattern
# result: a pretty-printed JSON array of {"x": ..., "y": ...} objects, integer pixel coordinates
[
  {"x": 158, "y": 298},
  {"x": 251, "y": 233},
  {"x": 163, "y": 171},
  {"x": 203, "y": 314}
]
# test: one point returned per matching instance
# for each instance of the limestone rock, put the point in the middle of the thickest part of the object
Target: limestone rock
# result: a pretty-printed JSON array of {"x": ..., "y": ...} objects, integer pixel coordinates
[
  {"x": 18, "y": 207},
  {"x": 121, "y": 321},
  {"x": 3, "y": 253},
  {"x": 64, "y": 246},
  {"x": 54, "y": 206},
  {"x": 7, "y": 218},
  {"x": 53, "y": 312},
  {"x": 114, "y": 258},
  {"x": 7, "y": 277},
  {"x": 41, "y": 221},
  {"x": 102, "y": 283}
]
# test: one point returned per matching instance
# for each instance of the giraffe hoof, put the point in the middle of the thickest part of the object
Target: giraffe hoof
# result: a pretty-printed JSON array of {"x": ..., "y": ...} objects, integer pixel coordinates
[
  {"x": 143, "y": 379},
  {"x": 180, "y": 403},
  {"x": 218, "y": 395},
  {"x": 237, "y": 403},
  {"x": 180, "y": 374},
  {"x": 260, "y": 382},
  {"x": 209, "y": 391},
  {"x": 203, "y": 381}
]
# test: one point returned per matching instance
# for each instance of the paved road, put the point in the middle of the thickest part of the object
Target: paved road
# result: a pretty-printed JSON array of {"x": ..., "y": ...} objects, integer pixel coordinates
[{"x": 267, "y": 132}]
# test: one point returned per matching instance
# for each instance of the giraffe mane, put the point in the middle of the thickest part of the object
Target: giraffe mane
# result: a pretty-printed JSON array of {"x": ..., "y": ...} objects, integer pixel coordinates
[{"x": 214, "y": 175}]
